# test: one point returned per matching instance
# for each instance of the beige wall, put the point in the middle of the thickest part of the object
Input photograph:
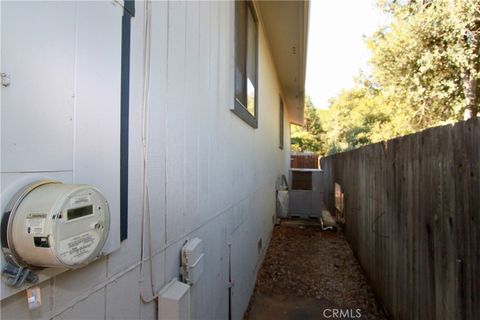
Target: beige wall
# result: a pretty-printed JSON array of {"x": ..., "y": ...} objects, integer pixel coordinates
[{"x": 210, "y": 175}]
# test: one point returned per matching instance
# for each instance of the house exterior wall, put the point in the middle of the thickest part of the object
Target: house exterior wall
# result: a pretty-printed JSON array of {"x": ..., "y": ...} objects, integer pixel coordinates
[{"x": 209, "y": 175}]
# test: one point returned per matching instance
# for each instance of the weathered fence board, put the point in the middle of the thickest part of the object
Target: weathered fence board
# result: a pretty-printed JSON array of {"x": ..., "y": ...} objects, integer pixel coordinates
[
  {"x": 413, "y": 219},
  {"x": 306, "y": 161}
]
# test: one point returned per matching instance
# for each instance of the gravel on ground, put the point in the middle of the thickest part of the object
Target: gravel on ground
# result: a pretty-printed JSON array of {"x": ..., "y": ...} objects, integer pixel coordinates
[{"x": 304, "y": 261}]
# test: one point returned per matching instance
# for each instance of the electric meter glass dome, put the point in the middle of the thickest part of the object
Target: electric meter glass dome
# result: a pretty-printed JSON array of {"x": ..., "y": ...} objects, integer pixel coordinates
[{"x": 57, "y": 225}]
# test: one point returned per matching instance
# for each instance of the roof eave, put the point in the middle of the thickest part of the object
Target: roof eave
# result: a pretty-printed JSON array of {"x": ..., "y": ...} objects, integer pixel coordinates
[{"x": 286, "y": 27}]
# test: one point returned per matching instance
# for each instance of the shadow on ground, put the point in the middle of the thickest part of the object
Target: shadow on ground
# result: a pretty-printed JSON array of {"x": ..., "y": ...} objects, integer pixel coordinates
[
  {"x": 281, "y": 307},
  {"x": 311, "y": 274}
]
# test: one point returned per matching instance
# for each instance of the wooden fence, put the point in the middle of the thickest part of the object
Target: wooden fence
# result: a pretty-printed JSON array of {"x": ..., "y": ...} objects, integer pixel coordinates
[
  {"x": 307, "y": 160},
  {"x": 413, "y": 219}
]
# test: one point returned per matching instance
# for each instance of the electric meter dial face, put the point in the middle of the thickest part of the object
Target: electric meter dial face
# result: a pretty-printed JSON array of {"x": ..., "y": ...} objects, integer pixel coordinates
[
  {"x": 57, "y": 225},
  {"x": 80, "y": 227}
]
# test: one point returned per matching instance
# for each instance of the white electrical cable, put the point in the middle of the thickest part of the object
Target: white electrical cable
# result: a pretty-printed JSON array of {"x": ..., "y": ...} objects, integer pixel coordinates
[{"x": 145, "y": 195}]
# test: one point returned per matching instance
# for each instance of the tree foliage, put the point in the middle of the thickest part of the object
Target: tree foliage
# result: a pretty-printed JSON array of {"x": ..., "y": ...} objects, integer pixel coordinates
[
  {"x": 308, "y": 137},
  {"x": 425, "y": 71},
  {"x": 428, "y": 59}
]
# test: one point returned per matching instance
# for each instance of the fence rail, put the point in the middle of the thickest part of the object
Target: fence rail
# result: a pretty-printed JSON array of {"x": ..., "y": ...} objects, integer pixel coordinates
[{"x": 412, "y": 214}]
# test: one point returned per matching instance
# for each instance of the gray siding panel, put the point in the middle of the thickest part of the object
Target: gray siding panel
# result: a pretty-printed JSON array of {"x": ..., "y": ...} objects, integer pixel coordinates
[
  {"x": 92, "y": 308},
  {"x": 210, "y": 175}
]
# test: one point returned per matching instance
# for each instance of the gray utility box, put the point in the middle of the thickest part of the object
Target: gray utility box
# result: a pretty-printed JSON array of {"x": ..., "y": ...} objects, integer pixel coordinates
[{"x": 306, "y": 194}]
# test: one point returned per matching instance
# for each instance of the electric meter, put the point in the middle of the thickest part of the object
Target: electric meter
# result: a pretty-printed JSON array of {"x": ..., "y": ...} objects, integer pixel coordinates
[{"x": 51, "y": 224}]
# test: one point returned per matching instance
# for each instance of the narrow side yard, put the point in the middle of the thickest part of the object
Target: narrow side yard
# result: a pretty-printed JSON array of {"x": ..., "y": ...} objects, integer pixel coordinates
[{"x": 307, "y": 273}]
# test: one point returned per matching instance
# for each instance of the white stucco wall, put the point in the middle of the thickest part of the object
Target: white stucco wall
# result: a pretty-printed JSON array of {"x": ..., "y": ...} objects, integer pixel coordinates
[{"x": 210, "y": 175}]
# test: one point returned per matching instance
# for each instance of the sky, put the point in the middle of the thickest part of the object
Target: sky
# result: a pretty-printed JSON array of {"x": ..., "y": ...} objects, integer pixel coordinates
[{"x": 336, "y": 46}]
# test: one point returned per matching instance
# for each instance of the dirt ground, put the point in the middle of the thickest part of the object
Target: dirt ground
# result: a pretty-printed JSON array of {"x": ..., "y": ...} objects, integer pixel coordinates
[{"x": 307, "y": 270}]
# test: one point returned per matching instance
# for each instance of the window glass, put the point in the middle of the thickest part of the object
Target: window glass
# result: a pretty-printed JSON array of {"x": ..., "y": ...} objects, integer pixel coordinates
[
  {"x": 246, "y": 39},
  {"x": 251, "y": 63},
  {"x": 281, "y": 131},
  {"x": 240, "y": 45}
]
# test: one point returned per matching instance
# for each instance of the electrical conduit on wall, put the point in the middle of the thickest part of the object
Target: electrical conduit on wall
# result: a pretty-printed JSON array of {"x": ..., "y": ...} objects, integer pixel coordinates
[{"x": 146, "y": 238}]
